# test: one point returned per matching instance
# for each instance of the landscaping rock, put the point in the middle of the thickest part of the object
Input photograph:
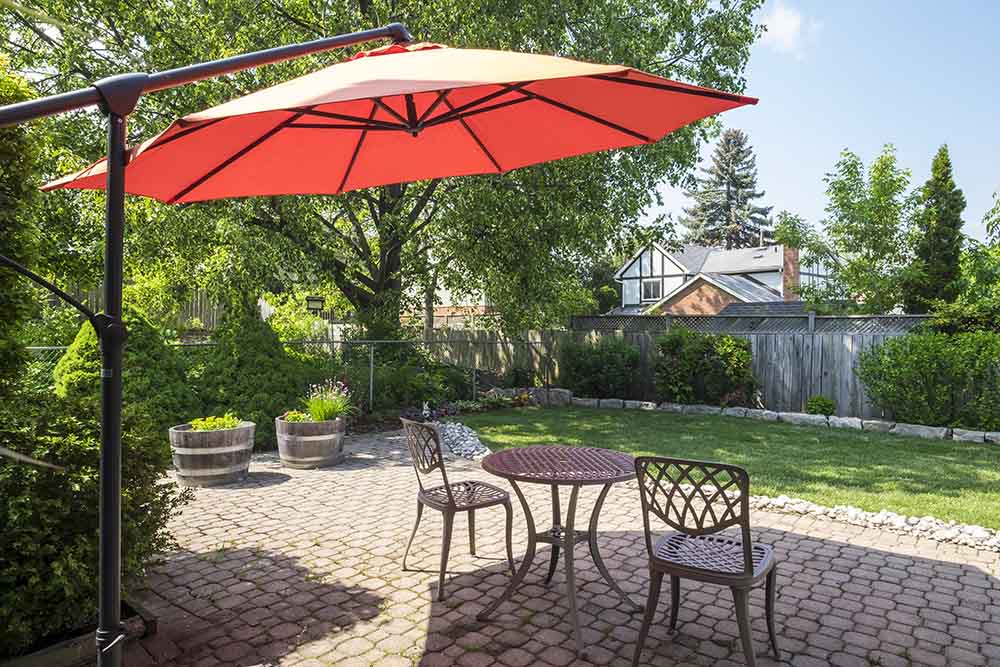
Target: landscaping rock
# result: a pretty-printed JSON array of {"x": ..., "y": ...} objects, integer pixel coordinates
[
  {"x": 877, "y": 425},
  {"x": 640, "y": 405},
  {"x": 584, "y": 402},
  {"x": 844, "y": 422},
  {"x": 765, "y": 415},
  {"x": 921, "y": 431},
  {"x": 803, "y": 419},
  {"x": 735, "y": 412},
  {"x": 553, "y": 396},
  {"x": 993, "y": 436},
  {"x": 702, "y": 410},
  {"x": 968, "y": 436},
  {"x": 461, "y": 440},
  {"x": 670, "y": 407},
  {"x": 612, "y": 403}
]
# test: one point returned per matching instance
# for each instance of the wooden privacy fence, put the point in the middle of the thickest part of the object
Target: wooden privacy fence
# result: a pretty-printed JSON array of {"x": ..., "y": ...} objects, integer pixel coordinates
[{"x": 794, "y": 356}]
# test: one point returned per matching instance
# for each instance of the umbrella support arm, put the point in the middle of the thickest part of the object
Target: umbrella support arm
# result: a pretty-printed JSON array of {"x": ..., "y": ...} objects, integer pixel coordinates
[{"x": 117, "y": 97}]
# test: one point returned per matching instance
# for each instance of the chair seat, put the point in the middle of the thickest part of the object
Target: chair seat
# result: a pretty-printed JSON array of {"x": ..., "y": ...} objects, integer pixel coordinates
[
  {"x": 714, "y": 557},
  {"x": 468, "y": 495}
]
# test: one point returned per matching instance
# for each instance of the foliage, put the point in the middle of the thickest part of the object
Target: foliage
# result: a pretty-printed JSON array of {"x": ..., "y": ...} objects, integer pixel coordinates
[
  {"x": 694, "y": 367},
  {"x": 937, "y": 379},
  {"x": 226, "y": 421},
  {"x": 297, "y": 416},
  {"x": 408, "y": 381},
  {"x": 53, "y": 323},
  {"x": 948, "y": 479},
  {"x": 18, "y": 159},
  {"x": 821, "y": 405},
  {"x": 329, "y": 400},
  {"x": 293, "y": 322},
  {"x": 724, "y": 212},
  {"x": 48, "y": 557},
  {"x": 248, "y": 372},
  {"x": 935, "y": 270},
  {"x": 977, "y": 307},
  {"x": 518, "y": 376},
  {"x": 155, "y": 389},
  {"x": 377, "y": 245},
  {"x": 866, "y": 240},
  {"x": 601, "y": 370}
]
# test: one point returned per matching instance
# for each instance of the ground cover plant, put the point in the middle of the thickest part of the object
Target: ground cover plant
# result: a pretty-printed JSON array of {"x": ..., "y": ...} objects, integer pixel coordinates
[{"x": 873, "y": 471}]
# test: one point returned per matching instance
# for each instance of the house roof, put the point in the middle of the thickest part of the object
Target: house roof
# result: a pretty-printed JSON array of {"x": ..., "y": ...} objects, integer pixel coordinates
[
  {"x": 744, "y": 289},
  {"x": 744, "y": 260},
  {"x": 691, "y": 257},
  {"x": 765, "y": 308},
  {"x": 626, "y": 310}
]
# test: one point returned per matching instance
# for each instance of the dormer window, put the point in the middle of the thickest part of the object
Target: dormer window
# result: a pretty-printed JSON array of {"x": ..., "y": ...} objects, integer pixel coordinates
[{"x": 651, "y": 289}]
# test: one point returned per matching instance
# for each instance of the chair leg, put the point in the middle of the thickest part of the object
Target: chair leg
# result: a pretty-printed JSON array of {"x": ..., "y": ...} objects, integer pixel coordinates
[
  {"x": 655, "y": 581},
  {"x": 675, "y": 600},
  {"x": 741, "y": 598},
  {"x": 769, "y": 609},
  {"x": 449, "y": 522},
  {"x": 509, "y": 536},
  {"x": 420, "y": 513},
  {"x": 472, "y": 532}
]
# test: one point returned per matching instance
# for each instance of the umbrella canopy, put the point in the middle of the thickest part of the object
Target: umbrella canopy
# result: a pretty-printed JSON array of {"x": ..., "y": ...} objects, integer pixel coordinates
[{"x": 406, "y": 112}]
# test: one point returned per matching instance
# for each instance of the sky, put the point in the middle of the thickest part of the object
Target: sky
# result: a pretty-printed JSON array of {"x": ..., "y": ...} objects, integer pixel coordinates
[{"x": 857, "y": 75}]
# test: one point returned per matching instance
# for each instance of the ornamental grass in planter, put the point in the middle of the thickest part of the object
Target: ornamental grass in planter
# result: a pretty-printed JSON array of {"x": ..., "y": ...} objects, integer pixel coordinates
[
  {"x": 314, "y": 437},
  {"x": 212, "y": 450}
]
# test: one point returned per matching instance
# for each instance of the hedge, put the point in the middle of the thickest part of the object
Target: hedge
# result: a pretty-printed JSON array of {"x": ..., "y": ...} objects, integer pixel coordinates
[
  {"x": 601, "y": 370},
  {"x": 696, "y": 367}
]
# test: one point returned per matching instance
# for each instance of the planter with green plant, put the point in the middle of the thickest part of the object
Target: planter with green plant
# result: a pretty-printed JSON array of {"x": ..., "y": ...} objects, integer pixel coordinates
[
  {"x": 212, "y": 450},
  {"x": 314, "y": 437}
]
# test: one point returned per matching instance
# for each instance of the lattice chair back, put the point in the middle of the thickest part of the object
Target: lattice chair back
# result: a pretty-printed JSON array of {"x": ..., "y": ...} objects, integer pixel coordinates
[
  {"x": 424, "y": 444},
  {"x": 695, "y": 498}
]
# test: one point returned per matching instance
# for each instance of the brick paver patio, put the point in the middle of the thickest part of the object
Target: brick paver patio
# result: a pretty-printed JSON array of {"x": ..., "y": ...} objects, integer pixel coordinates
[{"x": 303, "y": 568}]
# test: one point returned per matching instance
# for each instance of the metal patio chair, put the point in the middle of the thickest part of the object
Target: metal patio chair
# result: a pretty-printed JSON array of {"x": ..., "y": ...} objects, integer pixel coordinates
[
  {"x": 698, "y": 500},
  {"x": 449, "y": 498}
]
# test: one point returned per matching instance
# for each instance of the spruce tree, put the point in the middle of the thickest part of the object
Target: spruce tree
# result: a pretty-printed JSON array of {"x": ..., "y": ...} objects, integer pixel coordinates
[
  {"x": 934, "y": 273},
  {"x": 724, "y": 212}
]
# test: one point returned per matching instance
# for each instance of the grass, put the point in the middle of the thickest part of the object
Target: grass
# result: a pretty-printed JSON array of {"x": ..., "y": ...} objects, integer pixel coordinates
[{"x": 945, "y": 479}]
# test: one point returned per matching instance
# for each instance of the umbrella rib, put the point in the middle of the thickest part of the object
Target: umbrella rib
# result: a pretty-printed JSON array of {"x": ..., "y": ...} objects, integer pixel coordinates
[
  {"x": 462, "y": 108},
  {"x": 356, "y": 119},
  {"x": 333, "y": 126},
  {"x": 357, "y": 148},
  {"x": 235, "y": 156},
  {"x": 183, "y": 133},
  {"x": 434, "y": 105},
  {"x": 392, "y": 112},
  {"x": 493, "y": 107},
  {"x": 701, "y": 92},
  {"x": 588, "y": 116},
  {"x": 478, "y": 141}
]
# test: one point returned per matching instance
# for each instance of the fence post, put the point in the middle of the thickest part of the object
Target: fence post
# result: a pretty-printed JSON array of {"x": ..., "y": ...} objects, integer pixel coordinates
[
  {"x": 371, "y": 377},
  {"x": 812, "y": 321},
  {"x": 474, "y": 382}
]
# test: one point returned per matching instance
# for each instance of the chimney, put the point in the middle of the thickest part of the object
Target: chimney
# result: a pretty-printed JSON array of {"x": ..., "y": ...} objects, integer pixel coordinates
[{"x": 790, "y": 273}]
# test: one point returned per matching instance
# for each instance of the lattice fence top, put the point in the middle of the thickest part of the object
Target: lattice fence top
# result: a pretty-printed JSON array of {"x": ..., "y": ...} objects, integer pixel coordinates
[{"x": 784, "y": 324}]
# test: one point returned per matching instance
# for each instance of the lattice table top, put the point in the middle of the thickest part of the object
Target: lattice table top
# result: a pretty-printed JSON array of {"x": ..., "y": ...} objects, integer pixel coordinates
[{"x": 561, "y": 464}]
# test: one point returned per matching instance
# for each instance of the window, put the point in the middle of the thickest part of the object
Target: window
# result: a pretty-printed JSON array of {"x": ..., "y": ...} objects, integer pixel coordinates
[{"x": 651, "y": 289}]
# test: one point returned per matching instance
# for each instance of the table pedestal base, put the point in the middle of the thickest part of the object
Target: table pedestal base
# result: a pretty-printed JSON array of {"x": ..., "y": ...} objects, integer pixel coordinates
[{"x": 562, "y": 538}]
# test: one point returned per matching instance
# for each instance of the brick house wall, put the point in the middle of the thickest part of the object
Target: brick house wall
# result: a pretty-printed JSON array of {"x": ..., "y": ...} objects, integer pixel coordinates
[
  {"x": 790, "y": 274},
  {"x": 700, "y": 298}
]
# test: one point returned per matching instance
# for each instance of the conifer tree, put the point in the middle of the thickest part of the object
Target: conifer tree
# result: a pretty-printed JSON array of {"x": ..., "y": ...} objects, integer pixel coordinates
[
  {"x": 934, "y": 273},
  {"x": 724, "y": 212}
]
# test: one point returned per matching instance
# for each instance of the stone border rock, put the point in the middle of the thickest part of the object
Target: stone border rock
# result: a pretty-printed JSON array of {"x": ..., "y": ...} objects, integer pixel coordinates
[{"x": 461, "y": 440}]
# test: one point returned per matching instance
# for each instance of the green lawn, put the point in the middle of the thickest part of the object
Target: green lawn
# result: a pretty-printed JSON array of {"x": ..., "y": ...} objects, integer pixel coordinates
[{"x": 948, "y": 480}]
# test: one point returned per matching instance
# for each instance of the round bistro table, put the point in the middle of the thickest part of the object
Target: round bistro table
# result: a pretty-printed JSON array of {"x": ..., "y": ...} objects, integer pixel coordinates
[{"x": 560, "y": 465}]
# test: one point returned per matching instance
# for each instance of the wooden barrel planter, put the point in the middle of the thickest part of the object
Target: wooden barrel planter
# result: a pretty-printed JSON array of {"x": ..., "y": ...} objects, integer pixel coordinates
[
  {"x": 209, "y": 458},
  {"x": 310, "y": 444}
]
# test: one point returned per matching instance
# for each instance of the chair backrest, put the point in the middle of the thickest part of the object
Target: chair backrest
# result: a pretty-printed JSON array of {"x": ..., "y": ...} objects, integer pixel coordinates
[
  {"x": 695, "y": 498},
  {"x": 425, "y": 450}
]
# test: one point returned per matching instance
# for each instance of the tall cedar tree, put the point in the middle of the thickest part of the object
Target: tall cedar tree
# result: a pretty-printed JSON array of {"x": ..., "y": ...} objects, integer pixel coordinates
[
  {"x": 724, "y": 213},
  {"x": 935, "y": 270}
]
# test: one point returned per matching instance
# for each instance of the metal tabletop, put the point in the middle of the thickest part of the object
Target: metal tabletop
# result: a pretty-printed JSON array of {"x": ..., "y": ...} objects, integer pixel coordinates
[{"x": 561, "y": 465}]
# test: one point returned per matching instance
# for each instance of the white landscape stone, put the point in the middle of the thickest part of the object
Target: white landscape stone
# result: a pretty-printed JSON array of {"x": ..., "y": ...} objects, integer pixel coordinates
[
  {"x": 640, "y": 405},
  {"x": 612, "y": 403},
  {"x": 735, "y": 412},
  {"x": 765, "y": 415},
  {"x": 802, "y": 419},
  {"x": 461, "y": 440},
  {"x": 921, "y": 431},
  {"x": 845, "y": 422},
  {"x": 993, "y": 436},
  {"x": 670, "y": 407},
  {"x": 968, "y": 436},
  {"x": 584, "y": 402},
  {"x": 877, "y": 425},
  {"x": 702, "y": 410}
]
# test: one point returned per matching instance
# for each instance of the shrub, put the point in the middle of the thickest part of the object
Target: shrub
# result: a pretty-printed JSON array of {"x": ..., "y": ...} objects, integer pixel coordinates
[
  {"x": 601, "y": 370},
  {"x": 215, "y": 423},
  {"x": 820, "y": 405},
  {"x": 937, "y": 379},
  {"x": 695, "y": 367},
  {"x": 154, "y": 385},
  {"x": 408, "y": 381},
  {"x": 248, "y": 372},
  {"x": 518, "y": 376},
  {"x": 49, "y": 552}
]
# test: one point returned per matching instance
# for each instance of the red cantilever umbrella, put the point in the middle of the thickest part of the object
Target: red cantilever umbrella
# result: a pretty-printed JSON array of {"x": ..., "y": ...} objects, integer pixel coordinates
[{"x": 404, "y": 113}]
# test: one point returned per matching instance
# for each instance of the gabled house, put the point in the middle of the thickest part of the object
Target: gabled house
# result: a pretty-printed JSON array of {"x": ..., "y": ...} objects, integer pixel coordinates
[{"x": 698, "y": 280}]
